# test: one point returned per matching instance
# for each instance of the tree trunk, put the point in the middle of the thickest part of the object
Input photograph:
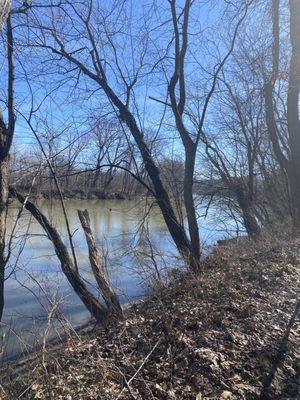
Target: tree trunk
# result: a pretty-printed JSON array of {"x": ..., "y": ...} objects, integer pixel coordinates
[
  {"x": 294, "y": 187},
  {"x": 246, "y": 206},
  {"x": 176, "y": 230},
  {"x": 96, "y": 309},
  {"x": 6, "y": 137},
  {"x": 107, "y": 292},
  {"x": 293, "y": 112},
  {"x": 97, "y": 174},
  {"x": 108, "y": 178},
  {"x": 195, "y": 251},
  {"x": 250, "y": 222},
  {"x": 3, "y": 214},
  {"x": 290, "y": 165}
]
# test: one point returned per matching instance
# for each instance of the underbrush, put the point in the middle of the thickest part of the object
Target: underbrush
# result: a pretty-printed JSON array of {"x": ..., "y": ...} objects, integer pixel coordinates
[{"x": 228, "y": 333}]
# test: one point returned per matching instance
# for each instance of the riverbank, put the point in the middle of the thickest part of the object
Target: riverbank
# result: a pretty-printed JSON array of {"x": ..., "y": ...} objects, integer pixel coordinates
[
  {"x": 76, "y": 194},
  {"x": 227, "y": 334}
]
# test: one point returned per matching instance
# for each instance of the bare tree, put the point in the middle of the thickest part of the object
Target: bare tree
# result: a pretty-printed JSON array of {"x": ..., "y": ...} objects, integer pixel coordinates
[
  {"x": 6, "y": 136},
  {"x": 98, "y": 58},
  {"x": 233, "y": 148},
  {"x": 94, "y": 69},
  {"x": 190, "y": 140},
  {"x": 109, "y": 141},
  {"x": 71, "y": 271},
  {"x": 287, "y": 149}
]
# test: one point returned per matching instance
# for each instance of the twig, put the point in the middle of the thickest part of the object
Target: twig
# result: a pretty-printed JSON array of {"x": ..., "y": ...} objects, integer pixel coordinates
[{"x": 139, "y": 369}]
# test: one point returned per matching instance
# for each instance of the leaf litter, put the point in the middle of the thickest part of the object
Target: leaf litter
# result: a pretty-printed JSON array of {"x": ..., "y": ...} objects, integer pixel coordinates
[{"x": 213, "y": 336}]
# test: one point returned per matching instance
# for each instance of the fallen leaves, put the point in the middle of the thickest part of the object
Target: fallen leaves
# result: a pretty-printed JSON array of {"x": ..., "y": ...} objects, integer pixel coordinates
[{"x": 211, "y": 337}]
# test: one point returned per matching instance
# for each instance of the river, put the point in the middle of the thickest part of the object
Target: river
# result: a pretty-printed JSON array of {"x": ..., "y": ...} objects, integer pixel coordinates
[{"x": 34, "y": 279}]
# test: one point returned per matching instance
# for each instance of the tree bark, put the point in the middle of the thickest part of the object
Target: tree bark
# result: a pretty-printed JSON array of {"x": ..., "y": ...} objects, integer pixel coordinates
[
  {"x": 246, "y": 206},
  {"x": 107, "y": 292},
  {"x": 290, "y": 163},
  {"x": 6, "y": 137},
  {"x": 176, "y": 230},
  {"x": 190, "y": 147},
  {"x": 3, "y": 214},
  {"x": 293, "y": 112},
  {"x": 195, "y": 252},
  {"x": 294, "y": 187},
  {"x": 96, "y": 309}
]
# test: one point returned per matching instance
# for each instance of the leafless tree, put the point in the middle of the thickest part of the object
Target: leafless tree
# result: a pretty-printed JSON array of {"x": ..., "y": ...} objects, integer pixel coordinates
[
  {"x": 286, "y": 149},
  {"x": 71, "y": 271},
  {"x": 96, "y": 72},
  {"x": 94, "y": 52},
  {"x": 109, "y": 141},
  {"x": 233, "y": 149},
  {"x": 6, "y": 136},
  {"x": 178, "y": 98}
]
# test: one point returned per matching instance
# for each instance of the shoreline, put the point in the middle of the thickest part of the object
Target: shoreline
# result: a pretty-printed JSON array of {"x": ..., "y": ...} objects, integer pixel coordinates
[
  {"x": 198, "y": 335},
  {"x": 83, "y": 328},
  {"x": 56, "y": 342},
  {"x": 77, "y": 195}
]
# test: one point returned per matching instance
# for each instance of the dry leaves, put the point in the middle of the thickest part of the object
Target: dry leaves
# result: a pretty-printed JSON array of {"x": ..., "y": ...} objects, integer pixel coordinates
[{"x": 217, "y": 336}]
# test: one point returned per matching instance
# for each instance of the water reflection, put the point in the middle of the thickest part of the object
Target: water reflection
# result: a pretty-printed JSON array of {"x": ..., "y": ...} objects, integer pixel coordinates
[{"x": 34, "y": 275}]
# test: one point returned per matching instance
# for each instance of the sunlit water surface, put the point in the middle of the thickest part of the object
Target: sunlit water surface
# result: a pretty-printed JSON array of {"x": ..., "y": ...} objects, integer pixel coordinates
[{"x": 35, "y": 282}]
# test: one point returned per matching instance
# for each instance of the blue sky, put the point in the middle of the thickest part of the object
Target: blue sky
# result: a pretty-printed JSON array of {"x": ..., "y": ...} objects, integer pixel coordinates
[{"x": 68, "y": 107}]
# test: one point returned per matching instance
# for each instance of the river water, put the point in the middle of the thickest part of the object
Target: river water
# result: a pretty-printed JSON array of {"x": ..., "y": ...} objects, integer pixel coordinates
[{"x": 35, "y": 282}]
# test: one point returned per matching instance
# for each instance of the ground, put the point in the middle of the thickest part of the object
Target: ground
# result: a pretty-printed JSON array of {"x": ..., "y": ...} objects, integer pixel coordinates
[{"x": 227, "y": 333}]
